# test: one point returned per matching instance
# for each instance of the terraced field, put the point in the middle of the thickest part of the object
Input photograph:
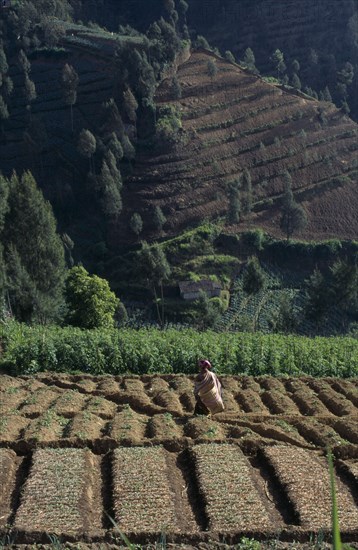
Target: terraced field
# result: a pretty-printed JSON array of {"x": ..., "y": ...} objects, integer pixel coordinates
[
  {"x": 74, "y": 448},
  {"x": 235, "y": 121}
]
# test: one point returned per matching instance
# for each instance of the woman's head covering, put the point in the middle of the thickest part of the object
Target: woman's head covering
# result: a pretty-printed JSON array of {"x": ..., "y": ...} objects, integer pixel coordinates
[{"x": 204, "y": 364}]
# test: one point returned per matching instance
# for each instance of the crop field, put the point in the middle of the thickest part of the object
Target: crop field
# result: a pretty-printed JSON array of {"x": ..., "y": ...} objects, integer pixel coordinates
[
  {"x": 74, "y": 448},
  {"x": 234, "y": 121}
]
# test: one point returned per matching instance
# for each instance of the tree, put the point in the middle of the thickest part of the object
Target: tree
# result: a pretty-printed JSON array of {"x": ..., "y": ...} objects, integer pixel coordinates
[
  {"x": 136, "y": 223},
  {"x": 24, "y": 62},
  {"x": 295, "y": 81},
  {"x": 176, "y": 88},
  {"x": 158, "y": 218},
  {"x": 110, "y": 197},
  {"x": 90, "y": 301},
  {"x": 115, "y": 147},
  {"x": 207, "y": 313},
  {"x": 34, "y": 252},
  {"x": 70, "y": 81},
  {"x": 130, "y": 105},
  {"x": 295, "y": 66},
  {"x": 317, "y": 297},
  {"x": 212, "y": 68},
  {"x": 30, "y": 92},
  {"x": 247, "y": 191},
  {"x": 4, "y": 113},
  {"x": 277, "y": 60},
  {"x": 229, "y": 56},
  {"x": 249, "y": 60},
  {"x": 285, "y": 319},
  {"x": 154, "y": 269},
  {"x": 87, "y": 145},
  {"x": 128, "y": 148},
  {"x": 293, "y": 217},
  {"x": 345, "y": 283},
  {"x": 254, "y": 277},
  {"x": 234, "y": 210}
]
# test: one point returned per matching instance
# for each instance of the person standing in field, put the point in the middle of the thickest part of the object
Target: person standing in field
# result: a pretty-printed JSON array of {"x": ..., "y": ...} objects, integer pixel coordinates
[{"x": 207, "y": 390}]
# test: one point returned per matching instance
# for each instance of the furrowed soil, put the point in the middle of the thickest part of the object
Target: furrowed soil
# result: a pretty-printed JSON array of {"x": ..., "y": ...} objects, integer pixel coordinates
[
  {"x": 78, "y": 452},
  {"x": 234, "y": 121}
]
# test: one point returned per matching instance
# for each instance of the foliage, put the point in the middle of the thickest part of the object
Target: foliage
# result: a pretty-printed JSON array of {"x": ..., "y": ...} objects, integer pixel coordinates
[
  {"x": 136, "y": 223},
  {"x": 91, "y": 303},
  {"x": 168, "y": 125},
  {"x": 254, "y": 277},
  {"x": 34, "y": 253},
  {"x": 31, "y": 349}
]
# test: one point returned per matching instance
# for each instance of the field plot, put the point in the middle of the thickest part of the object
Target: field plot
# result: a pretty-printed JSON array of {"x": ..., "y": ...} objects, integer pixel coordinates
[
  {"x": 61, "y": 493},
  {"x": 130, "y": 447}
]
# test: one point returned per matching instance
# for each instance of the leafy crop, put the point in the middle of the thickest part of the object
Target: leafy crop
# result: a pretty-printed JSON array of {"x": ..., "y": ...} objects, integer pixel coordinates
[{"x": 28, "y": 350}]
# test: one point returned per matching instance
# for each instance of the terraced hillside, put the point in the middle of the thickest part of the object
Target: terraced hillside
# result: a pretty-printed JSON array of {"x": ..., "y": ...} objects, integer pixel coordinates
[
  {"x": 75, "y": 447},
  {"x": 235, "y": 121}
]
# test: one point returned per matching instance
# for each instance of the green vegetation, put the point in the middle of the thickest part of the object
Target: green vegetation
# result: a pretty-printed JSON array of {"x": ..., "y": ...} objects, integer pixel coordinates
[
  {"x": 28, "y": 350},
  {"x": 90, "y": 302}
]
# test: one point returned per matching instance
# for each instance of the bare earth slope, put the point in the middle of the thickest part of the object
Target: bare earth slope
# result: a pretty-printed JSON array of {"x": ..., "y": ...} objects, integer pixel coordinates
[
  {"x": 235, "y": 121},
  {"x": 72, "y": 447}
]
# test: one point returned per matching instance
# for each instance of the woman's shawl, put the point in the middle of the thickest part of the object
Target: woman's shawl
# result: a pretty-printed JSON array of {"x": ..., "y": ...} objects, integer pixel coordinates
[{"x": 208, "y": 388}]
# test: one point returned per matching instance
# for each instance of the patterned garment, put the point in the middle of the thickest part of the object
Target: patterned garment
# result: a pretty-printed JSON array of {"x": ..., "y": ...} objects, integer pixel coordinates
[{"x": 208, "y": 389}]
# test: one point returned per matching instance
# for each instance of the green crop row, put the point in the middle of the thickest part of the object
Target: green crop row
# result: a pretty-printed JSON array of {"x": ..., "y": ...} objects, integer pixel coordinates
[{"x": 27, "y": 350}]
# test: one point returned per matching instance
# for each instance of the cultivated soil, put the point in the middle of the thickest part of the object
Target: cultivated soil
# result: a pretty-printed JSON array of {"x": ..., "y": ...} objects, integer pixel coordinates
[
  {"x": 235, "y": 121},
  {"x": 74, "y": 448}
]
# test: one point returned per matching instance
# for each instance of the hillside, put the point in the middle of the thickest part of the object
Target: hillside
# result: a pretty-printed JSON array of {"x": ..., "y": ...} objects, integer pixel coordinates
[
  {"x": 235, "y": 121},
  {"x": 74, "y": 449},
  {"x": 321, "y": 35}
]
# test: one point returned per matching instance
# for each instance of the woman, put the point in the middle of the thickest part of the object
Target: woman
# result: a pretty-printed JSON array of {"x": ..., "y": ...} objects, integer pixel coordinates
[{"x": 207, "y": 390}]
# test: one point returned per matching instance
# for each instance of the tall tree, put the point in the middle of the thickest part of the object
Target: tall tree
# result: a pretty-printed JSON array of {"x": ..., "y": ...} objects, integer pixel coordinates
[
  {"x": 87, "y": 145},
  {"x": 34, "y": 252},
  {"x": 158, "y": 218},
  {"x": 234, "y": 209},
  {"x": 154, "y": 269},
  {"x": 246, "y": 184},
  {"x": 278, "y": 62},
  {"x": 136, "y": 223},
  {"x": 293, "y": 216},
  {"x": 212, "y": 68},
  {"x": 70, "y": 82},
  {"x": 249, "y": 60}
]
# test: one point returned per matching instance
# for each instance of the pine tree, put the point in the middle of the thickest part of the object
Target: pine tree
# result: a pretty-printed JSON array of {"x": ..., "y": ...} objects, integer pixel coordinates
[
  {"x": 110, "y": 197},
  {"x": 34, "y": 252},
  {"x": 317, "y": 297},
  {"x": 70, "y": 82},
  {"x": 294, "y": 217},
  {"x": 247, "y": 192},
  {"x": 229, "y": 56},
  {"x": 158, "y": 218},
  {"x": 234, "y": 209},
  {"x": 212, "y": 68},
  {"x": 278, "y": 62},
  {"x": 136, "y": 223},
  {"x": 87, "y": 145},
  {"x": 130, "y": 105},
  {"x": 249, "y": 60},
  {"x": 295, "y": 81},
  {"x": 154, "y": 269},
  {"x": 115, "y": 147}
]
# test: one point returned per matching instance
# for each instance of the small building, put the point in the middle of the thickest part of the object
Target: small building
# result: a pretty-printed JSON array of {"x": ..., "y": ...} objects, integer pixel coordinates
[{"x": 190, "y": 290}]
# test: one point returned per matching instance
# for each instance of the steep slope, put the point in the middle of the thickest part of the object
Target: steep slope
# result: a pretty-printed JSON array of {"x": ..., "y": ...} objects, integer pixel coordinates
[
  {"x": 234, "y": 121},
  {"x": 326, "y": 26}
]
